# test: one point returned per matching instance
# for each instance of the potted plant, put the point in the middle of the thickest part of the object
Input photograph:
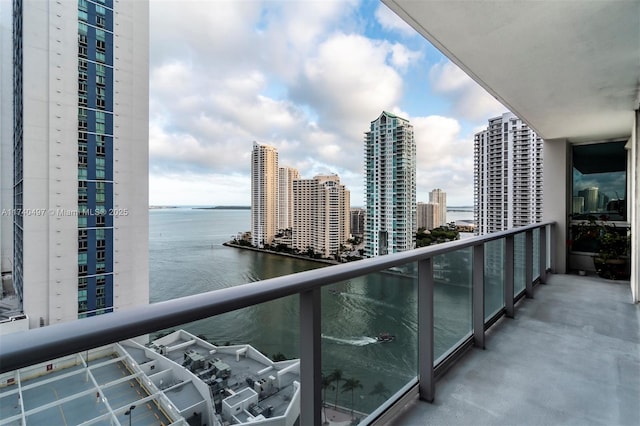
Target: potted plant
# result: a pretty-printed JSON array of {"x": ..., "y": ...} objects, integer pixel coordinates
[{"x": 609, "y": 243}]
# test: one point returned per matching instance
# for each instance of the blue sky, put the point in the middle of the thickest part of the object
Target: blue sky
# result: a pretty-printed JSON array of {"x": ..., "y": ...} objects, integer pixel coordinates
[{"x": 306, "y": 77}]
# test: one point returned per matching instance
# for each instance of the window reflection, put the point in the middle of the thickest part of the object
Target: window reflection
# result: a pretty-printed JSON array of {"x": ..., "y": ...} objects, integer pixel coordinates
[{"x": 599, "y": 181}]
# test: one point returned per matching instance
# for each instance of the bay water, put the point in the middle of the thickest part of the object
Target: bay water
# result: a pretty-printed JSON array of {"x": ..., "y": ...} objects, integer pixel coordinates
[{"x": 186, "y": 257}]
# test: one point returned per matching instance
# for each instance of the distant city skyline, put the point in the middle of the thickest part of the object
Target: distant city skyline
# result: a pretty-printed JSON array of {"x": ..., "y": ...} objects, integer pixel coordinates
[{"x": 303, "y": 77}]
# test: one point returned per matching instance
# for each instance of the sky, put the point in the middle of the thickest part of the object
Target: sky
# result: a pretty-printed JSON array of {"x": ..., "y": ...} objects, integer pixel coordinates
[{"x": 307, "y": 77}]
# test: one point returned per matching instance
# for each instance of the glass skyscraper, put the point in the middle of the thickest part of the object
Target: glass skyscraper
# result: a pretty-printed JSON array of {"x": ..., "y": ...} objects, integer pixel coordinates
[{"x": 390, "y": 170}]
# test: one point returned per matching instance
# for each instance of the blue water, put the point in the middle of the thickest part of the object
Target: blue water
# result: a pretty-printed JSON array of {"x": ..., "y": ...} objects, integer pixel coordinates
[{"x": 186, "y": 257}]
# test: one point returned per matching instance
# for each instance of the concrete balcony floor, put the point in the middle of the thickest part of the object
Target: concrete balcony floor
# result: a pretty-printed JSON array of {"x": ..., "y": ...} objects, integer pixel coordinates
[{"x": 570, "y": 356}]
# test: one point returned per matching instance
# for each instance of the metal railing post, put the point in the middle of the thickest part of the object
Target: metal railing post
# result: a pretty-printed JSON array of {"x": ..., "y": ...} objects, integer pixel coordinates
[
  {"x": 310, "y": 358},
  {"x": 509, "y": 275},
  {"x": 477, "y": 294},
  {"x": 552, "y": 248},
  {"x": 542, "y": 258},
  {"x": 528, "y": 263},
  {"x": 426, "y": 330}
]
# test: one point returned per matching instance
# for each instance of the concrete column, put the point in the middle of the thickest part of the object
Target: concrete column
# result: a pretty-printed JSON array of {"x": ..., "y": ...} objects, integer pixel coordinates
[
  {"x": 633, "y": 189},
  {"x": 557, "y": 190}
]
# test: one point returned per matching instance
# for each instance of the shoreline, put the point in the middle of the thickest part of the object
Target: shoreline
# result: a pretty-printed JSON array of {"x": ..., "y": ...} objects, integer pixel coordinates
[{"x": 295, "y": 256}]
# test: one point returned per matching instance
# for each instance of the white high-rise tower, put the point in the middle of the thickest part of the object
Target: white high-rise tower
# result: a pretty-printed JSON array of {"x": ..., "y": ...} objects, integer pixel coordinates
[
  {"x": 439, "y": 197},
  {"x": 390, "y": 167},
  {"x": 321, "y": 219},
  {"x": 264, "y": 194},
  {"x": 80, "y": 139},
  {"x": 508, "y": 175},
  {"x": 286, "y": 176}
]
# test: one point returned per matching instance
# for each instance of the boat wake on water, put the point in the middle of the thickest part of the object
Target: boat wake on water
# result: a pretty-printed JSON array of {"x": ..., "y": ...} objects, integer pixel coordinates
[{"x": 354, "y": 341}]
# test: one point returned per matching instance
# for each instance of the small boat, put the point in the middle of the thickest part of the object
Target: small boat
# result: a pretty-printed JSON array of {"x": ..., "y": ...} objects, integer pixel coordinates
[
  {"x": 334, "y": 292},
  {"x": 385, "y": 337}
]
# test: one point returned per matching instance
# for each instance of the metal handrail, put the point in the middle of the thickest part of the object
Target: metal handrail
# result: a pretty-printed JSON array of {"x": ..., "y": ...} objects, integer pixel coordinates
[{"x": 39, "y": 345}]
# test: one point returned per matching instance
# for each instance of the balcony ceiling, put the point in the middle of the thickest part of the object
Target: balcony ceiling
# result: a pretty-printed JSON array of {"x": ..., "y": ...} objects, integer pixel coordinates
[{"x": 570, "y": 69}]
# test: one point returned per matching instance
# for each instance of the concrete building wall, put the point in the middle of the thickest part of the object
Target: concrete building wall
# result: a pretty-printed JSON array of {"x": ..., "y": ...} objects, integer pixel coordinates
[
  {"x": 633, "y": 147},
  {"x": 556, "y": 197},
  {"x": 50, "y": 176},
  {"x": 6, "y": 138},
  {"x": 131, "y": 154}
]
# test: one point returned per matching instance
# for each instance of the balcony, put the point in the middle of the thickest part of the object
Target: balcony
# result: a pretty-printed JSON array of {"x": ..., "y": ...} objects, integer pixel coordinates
[
  {"x": 570, "y": 355},
  {"x": 568, "y": 352},
  {"x": 480, "y": 279}
]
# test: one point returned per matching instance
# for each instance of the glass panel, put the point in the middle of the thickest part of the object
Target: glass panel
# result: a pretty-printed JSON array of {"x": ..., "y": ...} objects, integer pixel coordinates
[
  {"x": 599, "y": 181},
  {"x": 519, "y": 276},
  {"x": 369, "y": 341},
  {"x": 172, "y": 376},
  {"x": 452, "y": 299},
  {"x": 493, "y": 277},
  {"x": 536, "y": 253}
]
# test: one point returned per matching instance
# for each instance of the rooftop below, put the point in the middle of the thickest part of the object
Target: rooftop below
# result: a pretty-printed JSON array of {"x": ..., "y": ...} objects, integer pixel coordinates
[{"x": 570, "y": 356}]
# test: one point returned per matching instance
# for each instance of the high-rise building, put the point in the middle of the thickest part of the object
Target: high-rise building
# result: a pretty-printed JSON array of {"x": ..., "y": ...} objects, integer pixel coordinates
[
  {"x": 264, "y": 194},
  {"x": 286, "y": 176},
  {"x": 357, "y": 221},
  {"x": 390, "y": 168},
  {"x": 6, "y": 139},
  {"x": 593, "y": 200},
  {"x": 80, "y": 157},
  {"x": 320, "y": 214},
  {"x": 427, "y": 215},
  {"x": 439, "y": 197},
  {"x": 508, "y": 175}
]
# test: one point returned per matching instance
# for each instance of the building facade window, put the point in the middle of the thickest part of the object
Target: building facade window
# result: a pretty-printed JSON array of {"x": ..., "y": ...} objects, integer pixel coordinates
[{"x": 95, "y": 128}]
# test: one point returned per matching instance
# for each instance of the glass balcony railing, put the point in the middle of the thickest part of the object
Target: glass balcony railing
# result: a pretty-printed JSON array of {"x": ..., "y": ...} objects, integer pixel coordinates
[{"x": 344, "y": 343}]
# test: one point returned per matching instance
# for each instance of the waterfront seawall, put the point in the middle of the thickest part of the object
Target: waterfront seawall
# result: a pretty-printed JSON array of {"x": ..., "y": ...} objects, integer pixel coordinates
[{"x": 279, "y": 253}]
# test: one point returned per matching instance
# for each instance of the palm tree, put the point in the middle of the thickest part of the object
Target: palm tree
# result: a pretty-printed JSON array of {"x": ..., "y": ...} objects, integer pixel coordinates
[
  {"x": 326, "y": 384},
  {"x": 351, "y": 385},
  {"x": 336, "y": 376},
  {"x": 381, "y": 390}
]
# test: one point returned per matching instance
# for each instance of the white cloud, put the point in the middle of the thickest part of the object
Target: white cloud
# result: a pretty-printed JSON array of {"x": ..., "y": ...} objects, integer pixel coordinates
[
  {"x": 402, "y": 57},
  {"x": 470, "y": 101},
  {"x": 199, "y": 189},
  {"x": 392, "y": 22},
  {"x": 211, "y": 35},
  {"x": 444, "y": 159},
  {"x": 297, "y": 75},
  {"x": 348, "y": 82}
]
